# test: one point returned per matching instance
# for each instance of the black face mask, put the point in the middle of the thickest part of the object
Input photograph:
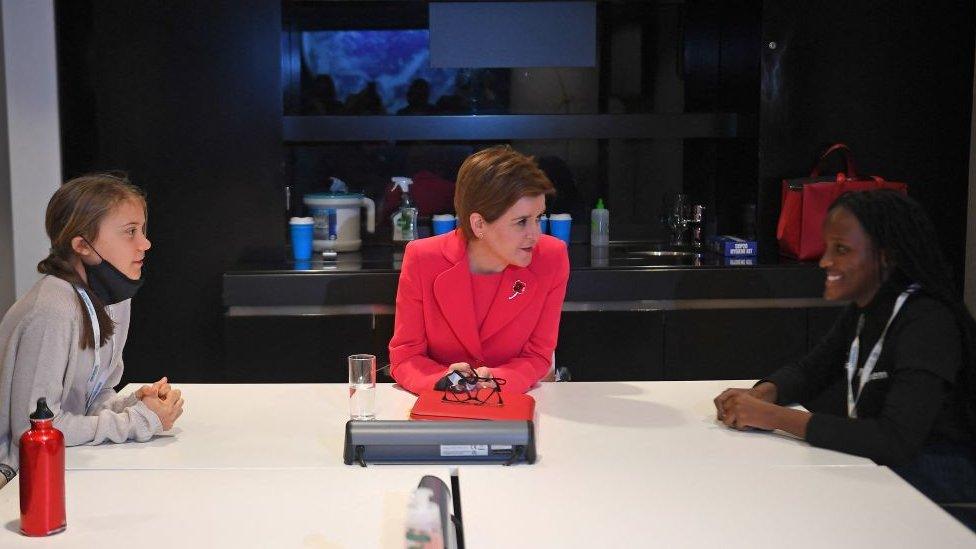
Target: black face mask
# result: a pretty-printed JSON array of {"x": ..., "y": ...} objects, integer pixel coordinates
[{"x": 108, "y": 283}]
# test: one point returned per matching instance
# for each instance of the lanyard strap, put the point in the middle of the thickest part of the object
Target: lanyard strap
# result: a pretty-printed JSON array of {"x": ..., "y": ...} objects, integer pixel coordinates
[
  {"x": 95, "y": 382},
  {"x": 872, "y": 359}
]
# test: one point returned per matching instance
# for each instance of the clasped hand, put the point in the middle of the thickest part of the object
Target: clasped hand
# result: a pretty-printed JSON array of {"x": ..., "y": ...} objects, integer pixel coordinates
[
  {"x": 746, "y": 408},
  {"x": 465, "y": 369},
  {"x": 163, "y": 400}
]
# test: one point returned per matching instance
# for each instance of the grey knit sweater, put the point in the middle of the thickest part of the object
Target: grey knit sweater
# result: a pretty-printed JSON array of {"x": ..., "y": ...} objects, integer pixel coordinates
[{"x": 40, "y": 356}]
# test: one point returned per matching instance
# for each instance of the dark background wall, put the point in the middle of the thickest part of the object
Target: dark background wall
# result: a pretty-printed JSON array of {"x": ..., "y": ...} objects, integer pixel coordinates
[
  {"x": 721, "y": 74},
  {"x": 184, "y": 96},
  {"x": 187, "y": 97},
  {"x": 892, "y": 79}
]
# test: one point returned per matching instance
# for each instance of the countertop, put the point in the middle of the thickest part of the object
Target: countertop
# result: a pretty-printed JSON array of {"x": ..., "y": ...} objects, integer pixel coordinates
[
  {"x": 618, "y": 256},
  {"x": 620, "y": 273}
]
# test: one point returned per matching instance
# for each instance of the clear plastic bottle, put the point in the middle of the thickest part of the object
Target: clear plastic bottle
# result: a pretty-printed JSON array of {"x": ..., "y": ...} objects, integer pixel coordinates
[
  {"x": 405, "y": 218},
  {"x": 423, "y": 528},
  {"x": 599, "y": 225}
]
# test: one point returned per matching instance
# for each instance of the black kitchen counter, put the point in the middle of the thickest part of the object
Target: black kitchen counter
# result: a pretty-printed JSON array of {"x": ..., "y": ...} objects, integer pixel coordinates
[{"x": 369, "y": 277}]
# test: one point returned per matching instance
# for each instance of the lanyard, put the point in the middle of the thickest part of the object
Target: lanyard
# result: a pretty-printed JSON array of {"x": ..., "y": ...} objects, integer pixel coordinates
[
  {"x": 95, "y": 382},
  {"x": 872, "y": 359}
]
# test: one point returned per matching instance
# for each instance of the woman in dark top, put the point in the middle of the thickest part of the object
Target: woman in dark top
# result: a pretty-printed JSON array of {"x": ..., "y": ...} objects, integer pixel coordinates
[{"x": 910, "y": 388}]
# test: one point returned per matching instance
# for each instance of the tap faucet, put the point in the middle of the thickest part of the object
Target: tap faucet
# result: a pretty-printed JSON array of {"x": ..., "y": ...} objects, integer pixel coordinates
[
  {"x": 695, "y": 214},
  {"x": 674, "y": 220},
  {"x": 684, "y": 221}
]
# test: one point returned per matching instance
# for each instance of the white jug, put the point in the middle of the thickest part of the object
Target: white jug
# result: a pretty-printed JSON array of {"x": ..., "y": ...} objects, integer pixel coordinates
[{"x": 336, "y": 218}]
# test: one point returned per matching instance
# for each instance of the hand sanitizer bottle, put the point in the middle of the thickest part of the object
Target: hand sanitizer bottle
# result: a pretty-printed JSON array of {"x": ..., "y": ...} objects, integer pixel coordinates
[
  {"x": 423, "y": 528},
  {"x": 405, "y": 218},
  {"x": 599, "y": 225}
]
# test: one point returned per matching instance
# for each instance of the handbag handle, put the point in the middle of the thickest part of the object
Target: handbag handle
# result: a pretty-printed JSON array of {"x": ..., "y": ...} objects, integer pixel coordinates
[{"x": 848, "y": 158}]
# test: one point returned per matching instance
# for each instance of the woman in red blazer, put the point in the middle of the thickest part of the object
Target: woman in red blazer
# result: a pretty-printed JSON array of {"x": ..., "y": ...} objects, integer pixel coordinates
[{"x": 486, "y": 298}]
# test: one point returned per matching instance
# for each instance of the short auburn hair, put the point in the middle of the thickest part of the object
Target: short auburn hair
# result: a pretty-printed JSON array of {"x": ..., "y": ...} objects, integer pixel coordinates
[{"x": 490, "y": 181}]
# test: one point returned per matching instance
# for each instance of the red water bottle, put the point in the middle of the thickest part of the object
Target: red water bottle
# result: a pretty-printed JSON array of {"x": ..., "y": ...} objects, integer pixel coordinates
[{"x": 42, "y": 475}]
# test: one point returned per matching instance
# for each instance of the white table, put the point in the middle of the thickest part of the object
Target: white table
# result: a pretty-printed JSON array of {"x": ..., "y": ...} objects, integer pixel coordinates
[
  {"x": 626, "y": 464},
  {"x": 351, "y": 508},
  {"x": 657, "y": 424},
  {"x": 632, "y": 424},
  {"x": 702, "y": 506},
  {"x": 245, "y": 426}
]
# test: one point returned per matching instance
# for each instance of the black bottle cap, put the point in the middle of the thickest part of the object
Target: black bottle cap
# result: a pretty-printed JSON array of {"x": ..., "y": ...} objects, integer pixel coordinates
[{"x": 42, "y": 411}]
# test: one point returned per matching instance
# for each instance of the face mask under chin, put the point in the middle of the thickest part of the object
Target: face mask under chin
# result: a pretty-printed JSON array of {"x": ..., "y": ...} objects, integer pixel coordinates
[{"x": 108, "y": 283}]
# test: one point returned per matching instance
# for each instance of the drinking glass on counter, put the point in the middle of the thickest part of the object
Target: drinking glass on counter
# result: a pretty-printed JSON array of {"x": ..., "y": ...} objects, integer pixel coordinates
[{"x": 362, "y": 387}]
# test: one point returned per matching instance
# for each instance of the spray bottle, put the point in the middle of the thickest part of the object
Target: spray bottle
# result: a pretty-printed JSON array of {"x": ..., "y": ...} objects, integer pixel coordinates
[{"x": 405, "y": 218}]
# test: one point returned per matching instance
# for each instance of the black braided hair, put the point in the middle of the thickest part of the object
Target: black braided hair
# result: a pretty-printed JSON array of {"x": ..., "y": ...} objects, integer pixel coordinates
[{"x": 899, "y": 226}]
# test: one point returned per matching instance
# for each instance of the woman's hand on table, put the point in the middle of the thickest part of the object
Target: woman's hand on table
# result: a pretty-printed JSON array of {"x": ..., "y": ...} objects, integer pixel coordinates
[
  {"x": 755, "y": 408},
  {"x": 765, "y": 391},
  {"x": 168, "y": 410},
  {"x": 465, "y": 369},
  {"x": 741, "y": 409},
  {"x": 484, "y": 372},
  {"x": 161, "y": 388}
]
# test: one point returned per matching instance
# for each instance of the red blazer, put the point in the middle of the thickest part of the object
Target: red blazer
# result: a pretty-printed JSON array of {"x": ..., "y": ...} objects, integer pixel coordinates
[{"x": 435, "y": 322}]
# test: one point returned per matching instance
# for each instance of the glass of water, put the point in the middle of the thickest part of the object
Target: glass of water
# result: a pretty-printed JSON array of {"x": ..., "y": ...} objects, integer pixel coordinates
[{"x": 362, "y": 387}]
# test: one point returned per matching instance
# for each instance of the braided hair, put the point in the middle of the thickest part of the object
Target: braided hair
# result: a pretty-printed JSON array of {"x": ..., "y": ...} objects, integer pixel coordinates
[
  {"x": 899, "y": 226},
  {"x": 76, "y": 209}
]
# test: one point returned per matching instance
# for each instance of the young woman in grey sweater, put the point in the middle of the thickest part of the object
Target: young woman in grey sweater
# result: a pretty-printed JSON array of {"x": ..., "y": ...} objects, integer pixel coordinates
[{"x": 63, "y": 340}]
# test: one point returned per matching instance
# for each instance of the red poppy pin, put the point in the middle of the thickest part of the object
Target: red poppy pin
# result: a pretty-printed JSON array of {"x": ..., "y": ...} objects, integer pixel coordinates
[{"x": 517, "y": 289}]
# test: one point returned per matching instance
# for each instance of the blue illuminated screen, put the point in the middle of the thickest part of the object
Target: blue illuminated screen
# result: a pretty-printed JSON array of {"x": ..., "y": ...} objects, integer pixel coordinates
[{"x": 390, "y": 58}]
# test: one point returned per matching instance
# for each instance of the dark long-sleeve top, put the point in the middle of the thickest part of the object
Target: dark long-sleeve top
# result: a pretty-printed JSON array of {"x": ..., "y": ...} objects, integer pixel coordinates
[{"x": 917, "y": 403}]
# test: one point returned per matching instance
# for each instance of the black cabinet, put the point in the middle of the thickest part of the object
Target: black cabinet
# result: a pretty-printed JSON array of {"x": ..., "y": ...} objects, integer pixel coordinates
[
  {"x": 610, "y": 346},
  {"x": 301, "y": 349},
  {"x": 731, "y": 343},
  {"x": 596, "y": 346},
  {"x": 313, "y": 349}
]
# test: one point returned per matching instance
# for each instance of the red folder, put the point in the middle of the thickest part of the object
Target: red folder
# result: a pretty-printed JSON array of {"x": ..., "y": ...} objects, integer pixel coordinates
[{"x": 431, "y": 406}]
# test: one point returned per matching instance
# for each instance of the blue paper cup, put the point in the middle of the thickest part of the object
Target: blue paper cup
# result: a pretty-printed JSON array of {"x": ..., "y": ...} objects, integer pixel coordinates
[
  {"x": 559, "y": 225},
  {"x": 443, "y": 223},
  {"x": 301, "y": 237},
  {"x": 543, "y": 224}
]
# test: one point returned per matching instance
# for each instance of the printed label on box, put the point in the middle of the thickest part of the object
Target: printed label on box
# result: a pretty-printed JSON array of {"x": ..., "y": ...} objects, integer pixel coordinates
[
  {"x": 741, "y": 261},
  {"x": 732, "y": 246},
  {"x": 456, "y": 450}
]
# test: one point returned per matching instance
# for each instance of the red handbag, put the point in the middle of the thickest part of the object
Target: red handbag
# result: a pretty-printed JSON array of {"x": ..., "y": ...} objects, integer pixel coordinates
[{"x": 805, "y": 201}]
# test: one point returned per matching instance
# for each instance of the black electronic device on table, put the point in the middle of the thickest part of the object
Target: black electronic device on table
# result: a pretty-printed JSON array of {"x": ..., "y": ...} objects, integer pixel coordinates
[{"x": 472, "y": 441}]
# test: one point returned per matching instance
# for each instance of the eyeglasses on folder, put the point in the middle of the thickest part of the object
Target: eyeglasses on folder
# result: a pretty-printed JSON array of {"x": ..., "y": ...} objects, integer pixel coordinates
[{"x": 471, "y": 388}]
